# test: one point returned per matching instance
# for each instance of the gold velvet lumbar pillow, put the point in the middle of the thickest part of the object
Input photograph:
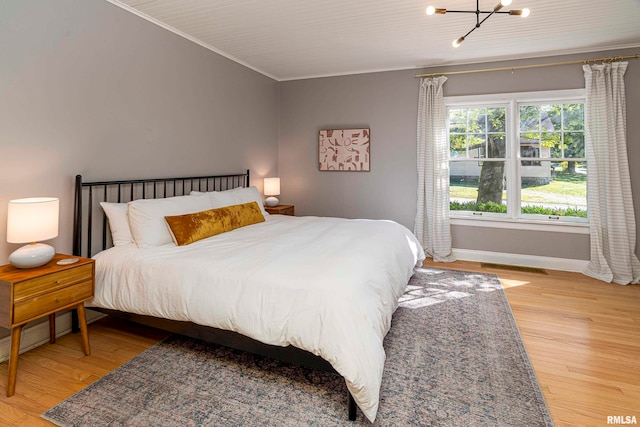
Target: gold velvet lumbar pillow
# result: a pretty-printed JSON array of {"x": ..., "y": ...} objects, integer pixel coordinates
[{"x": 190, "y": 228}]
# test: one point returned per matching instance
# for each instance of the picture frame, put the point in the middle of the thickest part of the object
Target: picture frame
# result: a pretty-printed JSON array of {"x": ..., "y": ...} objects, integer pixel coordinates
[{"x": 344, "y": 150}]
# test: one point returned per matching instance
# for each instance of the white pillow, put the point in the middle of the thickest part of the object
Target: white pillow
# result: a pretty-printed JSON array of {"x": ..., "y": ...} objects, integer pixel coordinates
[
  {"x": 118, "y": 222},
  {"x": 235, "y": 196},
  {"x": 146, "y": 217}
]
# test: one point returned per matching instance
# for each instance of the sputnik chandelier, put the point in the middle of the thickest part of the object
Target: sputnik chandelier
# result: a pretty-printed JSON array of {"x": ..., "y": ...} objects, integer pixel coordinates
[{"x": 519, "y": 12}]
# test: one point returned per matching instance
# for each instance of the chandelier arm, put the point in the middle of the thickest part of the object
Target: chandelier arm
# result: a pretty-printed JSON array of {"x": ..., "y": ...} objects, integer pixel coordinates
[
  {"x": 482, "y": 22},
  {"x": 470, "y": 31},
  {"x": 479, "y": 11},
  {"x": 478, "y": 23}
]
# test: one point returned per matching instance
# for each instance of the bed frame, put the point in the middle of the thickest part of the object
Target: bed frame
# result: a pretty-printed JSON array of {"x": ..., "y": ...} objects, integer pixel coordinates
[{"x": 89, "y": 221}]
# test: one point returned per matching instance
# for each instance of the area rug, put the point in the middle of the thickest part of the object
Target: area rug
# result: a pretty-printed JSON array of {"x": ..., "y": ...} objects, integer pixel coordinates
[{"x": 454, "y": 358}]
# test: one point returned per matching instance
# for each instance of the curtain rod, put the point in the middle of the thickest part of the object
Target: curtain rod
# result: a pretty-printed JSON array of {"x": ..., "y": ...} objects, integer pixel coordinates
[{"x": 522, "y": 67}]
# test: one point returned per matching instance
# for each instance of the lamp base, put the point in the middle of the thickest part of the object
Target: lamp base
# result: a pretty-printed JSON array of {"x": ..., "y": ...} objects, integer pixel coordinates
[
  {"x": 32, "y": 255},
  {"x": 271, "y": 201}
]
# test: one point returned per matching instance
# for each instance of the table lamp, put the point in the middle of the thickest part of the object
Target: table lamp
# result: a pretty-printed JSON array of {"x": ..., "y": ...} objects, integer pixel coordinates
[
  {"x": 271, "y": 189},
  {"x": 30, "y": 221}
]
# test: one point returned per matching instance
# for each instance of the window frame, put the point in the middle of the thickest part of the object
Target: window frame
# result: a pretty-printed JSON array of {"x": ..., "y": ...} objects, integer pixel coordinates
[{"x": 514, "y": 219}]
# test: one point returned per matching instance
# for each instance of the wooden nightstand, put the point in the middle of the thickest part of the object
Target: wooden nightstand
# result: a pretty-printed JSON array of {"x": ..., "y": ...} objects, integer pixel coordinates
[
  {"x": 281, "y": 210},
  {"x": 30, "y": 294}
]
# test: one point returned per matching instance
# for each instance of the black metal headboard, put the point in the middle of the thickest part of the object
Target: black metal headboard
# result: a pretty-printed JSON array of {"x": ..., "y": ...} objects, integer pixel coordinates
[{"x": 88, "y": 196}]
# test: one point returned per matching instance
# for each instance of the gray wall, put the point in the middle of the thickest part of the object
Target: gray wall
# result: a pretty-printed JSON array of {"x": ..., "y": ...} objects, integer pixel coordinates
[
  {"x": 384, "y": 102},
  {"x": 88, "y": 88},
  {"x": 387, "y": 104}
]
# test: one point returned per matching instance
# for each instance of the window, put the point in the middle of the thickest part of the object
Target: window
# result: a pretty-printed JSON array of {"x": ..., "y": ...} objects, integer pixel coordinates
[{"x": 518, "y": 157}]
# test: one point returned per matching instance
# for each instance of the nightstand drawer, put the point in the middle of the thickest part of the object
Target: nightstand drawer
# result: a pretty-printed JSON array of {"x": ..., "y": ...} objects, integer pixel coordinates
[
  {"x": 49, "y": 302},
  {"x": 50, "y": 282}
]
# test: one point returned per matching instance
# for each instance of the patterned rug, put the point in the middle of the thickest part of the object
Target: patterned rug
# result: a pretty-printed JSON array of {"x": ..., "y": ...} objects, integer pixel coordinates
[{"x": 454, "y": 358}]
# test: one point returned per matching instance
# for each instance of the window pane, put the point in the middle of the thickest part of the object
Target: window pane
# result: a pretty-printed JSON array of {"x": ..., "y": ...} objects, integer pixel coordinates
[
  {"x": 463, "y": 185},
  {"x": 458, "y": 121},
  {"x": 458, "y": 145},
  {"x": 496, "y": 146},
  {"x": 529, "y": 138},
  {"x": 551, "y": 117},
  {"x": 554, "y": 189},
  {"x": 529, "y": 118},
  {"x": 530, "y": 150},
  {"x": 477, "y": 186},
  {"x": 477, "y": 146},
  {"x": 574, "y": 144},
  {"x": 551, "y": 145},
  {"x": 496, "y": 119},
  {"x": 477, "y": 120},
  {"x": 491, "y": 182},
  {"x": 574, "y": 117}
]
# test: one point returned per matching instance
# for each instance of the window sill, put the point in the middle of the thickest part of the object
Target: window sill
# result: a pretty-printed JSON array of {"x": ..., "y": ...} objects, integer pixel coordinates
[{"x": 576, "y": 228}]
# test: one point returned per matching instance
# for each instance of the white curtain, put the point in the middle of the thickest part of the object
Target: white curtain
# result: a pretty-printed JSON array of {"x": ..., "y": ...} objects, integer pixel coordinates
[
  {"x": 609, "y": 202},
  {"x": 432, "y": 226}
]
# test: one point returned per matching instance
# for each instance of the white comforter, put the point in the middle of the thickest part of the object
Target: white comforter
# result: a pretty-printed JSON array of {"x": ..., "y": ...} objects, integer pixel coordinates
[{"x": 326, "y": 285}]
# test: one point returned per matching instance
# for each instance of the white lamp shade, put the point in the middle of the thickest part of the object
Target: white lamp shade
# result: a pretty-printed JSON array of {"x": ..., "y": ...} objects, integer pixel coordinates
[
  {"x": 272, "y": 186},
  {"x": 271, "y": 189},
  {"x": 32, "y": 220}
]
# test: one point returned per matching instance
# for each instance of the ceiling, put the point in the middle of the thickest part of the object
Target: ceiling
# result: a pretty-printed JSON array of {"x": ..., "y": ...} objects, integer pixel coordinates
[{"x": 296, "y": 39}]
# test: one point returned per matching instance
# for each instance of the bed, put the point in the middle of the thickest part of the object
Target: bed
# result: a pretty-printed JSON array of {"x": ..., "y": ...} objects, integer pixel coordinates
[{"x": 313, "y": 291}]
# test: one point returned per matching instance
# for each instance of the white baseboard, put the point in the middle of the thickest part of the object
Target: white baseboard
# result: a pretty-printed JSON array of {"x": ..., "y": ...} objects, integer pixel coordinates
[
  {"x": 39, "y": 334},
  {"x": 550, "y": 263}
]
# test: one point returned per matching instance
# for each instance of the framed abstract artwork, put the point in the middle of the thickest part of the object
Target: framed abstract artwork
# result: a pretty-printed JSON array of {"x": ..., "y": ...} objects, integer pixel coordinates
[{"x": 344, "y": 149}]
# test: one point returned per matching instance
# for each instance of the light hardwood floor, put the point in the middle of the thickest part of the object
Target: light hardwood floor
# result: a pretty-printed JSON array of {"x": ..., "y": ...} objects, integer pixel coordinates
[{"x": 582, "y": 336}]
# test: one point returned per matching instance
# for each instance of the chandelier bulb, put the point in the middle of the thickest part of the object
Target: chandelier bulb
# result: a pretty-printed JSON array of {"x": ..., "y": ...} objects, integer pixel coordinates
[
  {"x": 522, "y": 12},
  {"x": 434, "y": 10},
  {"x": 505, "y": 2},
  {"x": 457, "y": 42}
]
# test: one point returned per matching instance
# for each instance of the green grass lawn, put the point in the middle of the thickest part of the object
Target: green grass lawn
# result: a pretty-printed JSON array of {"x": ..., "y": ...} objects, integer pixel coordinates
[
  {"x": 564, "y": 184},
  {"x": 566, "y": 190}
]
